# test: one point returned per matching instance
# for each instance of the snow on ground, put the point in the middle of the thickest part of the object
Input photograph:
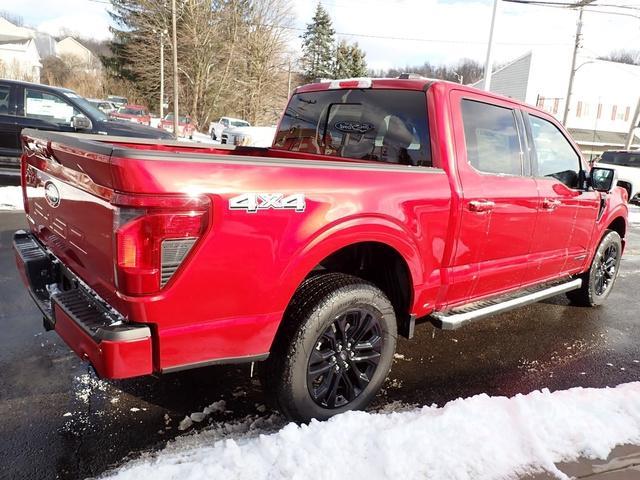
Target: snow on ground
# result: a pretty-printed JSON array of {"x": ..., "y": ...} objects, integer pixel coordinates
[
  {"x": 480, "y": 437},
  {"x": 11, "y": 198},
  {"x": 634, "y": 215},
  {"x": 199, "y": 138}
]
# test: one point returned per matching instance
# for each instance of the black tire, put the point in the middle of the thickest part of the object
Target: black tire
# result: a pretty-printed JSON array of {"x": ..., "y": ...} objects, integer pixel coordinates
[
  {"x": 313, "y": 368},
  {"x": 213, "y": 135},
  {"x": 598, "y": 281}
]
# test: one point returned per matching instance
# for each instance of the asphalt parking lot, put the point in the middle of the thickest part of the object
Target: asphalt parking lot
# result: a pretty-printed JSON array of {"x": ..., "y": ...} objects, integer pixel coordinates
[{"x": 60, "y": 421}]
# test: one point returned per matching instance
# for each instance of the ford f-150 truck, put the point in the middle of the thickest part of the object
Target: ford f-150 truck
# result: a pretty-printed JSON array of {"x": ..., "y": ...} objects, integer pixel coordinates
[{"x": 381, "y": 203}]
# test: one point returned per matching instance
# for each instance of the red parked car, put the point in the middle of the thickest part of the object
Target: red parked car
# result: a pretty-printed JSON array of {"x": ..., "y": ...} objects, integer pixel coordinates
[
  {"x": 380, "y": 204},
  {"x": 185, "y": 125},
  {"x": 132, "y": 113}
]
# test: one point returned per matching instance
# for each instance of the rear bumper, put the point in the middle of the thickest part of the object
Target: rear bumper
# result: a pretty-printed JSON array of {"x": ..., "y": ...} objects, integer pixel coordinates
[{"x": 89, "y": 326}]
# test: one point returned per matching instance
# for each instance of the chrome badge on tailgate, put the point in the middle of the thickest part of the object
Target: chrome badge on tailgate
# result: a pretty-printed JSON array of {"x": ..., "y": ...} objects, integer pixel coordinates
[{"x": 51, "y": 194}]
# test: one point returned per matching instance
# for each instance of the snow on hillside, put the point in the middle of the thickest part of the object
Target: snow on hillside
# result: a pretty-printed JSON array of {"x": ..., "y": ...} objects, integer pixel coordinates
[
  {"x": 10, "y": 198},
  {"x": 480, "y": 437}
]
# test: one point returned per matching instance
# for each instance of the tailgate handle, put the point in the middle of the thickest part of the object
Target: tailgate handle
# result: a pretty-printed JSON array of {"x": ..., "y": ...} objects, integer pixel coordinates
[{"x": 41, "y": 149}]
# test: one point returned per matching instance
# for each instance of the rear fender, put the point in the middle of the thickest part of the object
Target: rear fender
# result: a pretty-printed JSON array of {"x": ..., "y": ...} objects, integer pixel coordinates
[{"x": 347, "y": 233}]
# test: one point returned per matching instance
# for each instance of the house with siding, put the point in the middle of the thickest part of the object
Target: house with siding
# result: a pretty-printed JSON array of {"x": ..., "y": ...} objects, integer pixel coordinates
[{"x": 603, "y": 99}]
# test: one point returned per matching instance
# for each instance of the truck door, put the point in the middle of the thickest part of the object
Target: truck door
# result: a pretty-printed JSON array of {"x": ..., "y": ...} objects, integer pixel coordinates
[
  {"x": 567, "y": 212},
  {"x": 45, "y": 110},
  {"x": 499, "y": 197}
]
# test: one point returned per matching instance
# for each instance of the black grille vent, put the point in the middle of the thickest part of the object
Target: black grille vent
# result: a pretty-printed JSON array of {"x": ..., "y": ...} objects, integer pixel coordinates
[{"x": 173, "y": 254}]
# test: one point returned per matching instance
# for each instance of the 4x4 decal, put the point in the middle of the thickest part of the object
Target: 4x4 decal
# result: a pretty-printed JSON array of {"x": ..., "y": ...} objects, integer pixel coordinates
[{"x": 252, "y": 202}]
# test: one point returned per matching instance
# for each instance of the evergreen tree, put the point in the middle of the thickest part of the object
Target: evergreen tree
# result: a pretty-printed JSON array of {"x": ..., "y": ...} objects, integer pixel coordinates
[
  {"x": 318, "y": 46},
  {"x": 349, "y": 61}
]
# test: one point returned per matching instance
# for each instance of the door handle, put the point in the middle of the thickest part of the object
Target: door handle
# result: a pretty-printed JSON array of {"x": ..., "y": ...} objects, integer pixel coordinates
[
  {"x": 481, "y": 205},
  {"x": 550, "y": 203}
]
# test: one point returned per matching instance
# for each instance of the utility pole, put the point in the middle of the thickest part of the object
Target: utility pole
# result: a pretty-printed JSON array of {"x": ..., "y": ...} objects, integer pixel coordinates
[
  {"x": 162, "y": 34},
  {"x": 289, "y": 80},
  {"x": 576, "y": 47},
  {"x": 175, "y": 69},
  {"x": 488, "y": 64},
  {"x": 634, "y": 124}
]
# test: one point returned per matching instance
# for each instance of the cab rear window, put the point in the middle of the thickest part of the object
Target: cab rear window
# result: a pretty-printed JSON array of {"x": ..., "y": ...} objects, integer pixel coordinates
[
  {"x": 387, "y": 126},
  {"x": 624, "y": 159}
]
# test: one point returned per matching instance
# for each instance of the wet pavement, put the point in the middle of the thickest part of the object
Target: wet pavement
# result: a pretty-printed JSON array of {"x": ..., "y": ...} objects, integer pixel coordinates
[{"x": 60, "y": 421}]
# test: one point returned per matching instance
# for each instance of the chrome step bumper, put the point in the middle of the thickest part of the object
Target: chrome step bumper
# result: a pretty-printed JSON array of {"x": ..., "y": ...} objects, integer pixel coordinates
[{"x": 456, "y": 318}]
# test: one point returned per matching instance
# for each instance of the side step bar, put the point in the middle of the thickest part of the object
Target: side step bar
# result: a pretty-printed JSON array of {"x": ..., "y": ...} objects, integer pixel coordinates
[{"x": 461, "y": 315}]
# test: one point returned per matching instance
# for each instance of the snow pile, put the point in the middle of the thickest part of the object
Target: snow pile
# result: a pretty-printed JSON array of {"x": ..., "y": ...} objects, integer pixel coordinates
[
  {"x": 11, "y": 198},
  {"x": 475, "y": 438}
]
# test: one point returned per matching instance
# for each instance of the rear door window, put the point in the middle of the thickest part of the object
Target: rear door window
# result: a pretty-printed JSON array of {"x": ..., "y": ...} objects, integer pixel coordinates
[
  {"x": 387, "y": 126},
  {"x": 491, "y": 138}
]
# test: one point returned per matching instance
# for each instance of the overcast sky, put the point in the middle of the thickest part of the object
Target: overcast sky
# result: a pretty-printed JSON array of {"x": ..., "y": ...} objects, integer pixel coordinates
[{"x": 417, "y": 30}]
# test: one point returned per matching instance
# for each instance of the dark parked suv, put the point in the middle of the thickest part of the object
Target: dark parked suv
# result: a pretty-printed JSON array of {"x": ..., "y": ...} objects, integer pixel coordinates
[{"x": 31, "y": 105}]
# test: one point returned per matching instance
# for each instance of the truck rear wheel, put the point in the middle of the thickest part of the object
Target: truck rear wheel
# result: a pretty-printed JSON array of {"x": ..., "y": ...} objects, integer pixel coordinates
[
  {"x": 335, "y": 350},
  {"x": 598, "y": 281}
]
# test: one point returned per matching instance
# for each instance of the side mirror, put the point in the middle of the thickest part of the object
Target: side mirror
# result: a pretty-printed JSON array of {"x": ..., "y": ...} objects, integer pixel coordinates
[
  {"x": 603, "y": 179},
  {"x": 80, "y": 122}
]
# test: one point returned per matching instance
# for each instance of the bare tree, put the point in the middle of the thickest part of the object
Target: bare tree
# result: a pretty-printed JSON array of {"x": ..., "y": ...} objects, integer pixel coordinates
[
  {"x": 631, "y": 57},
  {"x": 230, "y": 54}
]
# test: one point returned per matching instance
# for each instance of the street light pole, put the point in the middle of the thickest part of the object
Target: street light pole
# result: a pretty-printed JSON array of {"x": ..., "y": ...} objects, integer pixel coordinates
[
  {"x": 175, "y": 69},
  {"x": 488, "y": 64}
]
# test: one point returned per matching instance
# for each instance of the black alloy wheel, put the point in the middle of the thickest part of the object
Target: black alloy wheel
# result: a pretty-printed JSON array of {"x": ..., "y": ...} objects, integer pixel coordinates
[
  {"x": 606, "y": 269},
  {"x": 345, "y": 358}
]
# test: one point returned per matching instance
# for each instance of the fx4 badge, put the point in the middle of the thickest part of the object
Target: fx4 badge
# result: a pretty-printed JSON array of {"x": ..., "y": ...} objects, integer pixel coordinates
[{"x": 252, "y": 202}]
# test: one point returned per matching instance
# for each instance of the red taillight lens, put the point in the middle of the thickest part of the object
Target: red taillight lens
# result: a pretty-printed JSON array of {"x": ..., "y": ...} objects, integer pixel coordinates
[{"x": 143, "y": 263}]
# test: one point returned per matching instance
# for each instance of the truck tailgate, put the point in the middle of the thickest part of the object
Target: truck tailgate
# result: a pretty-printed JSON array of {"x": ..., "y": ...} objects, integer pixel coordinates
[{"x": 67, "y": 192}]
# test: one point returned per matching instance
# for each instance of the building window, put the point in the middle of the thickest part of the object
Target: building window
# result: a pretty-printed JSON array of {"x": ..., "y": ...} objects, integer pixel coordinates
[
  {"x": 627, "y": 111},
  {"x": 618, "y": 113},
  {"x": 579, "y": 109},
  {"x": 556, "y": 102},
  {"x": 599, "y": 111}
]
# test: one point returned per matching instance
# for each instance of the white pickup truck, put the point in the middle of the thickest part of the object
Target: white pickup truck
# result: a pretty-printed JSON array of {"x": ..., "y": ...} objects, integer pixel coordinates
[
  {"x": 248, "y": 136},
  {"x": 627, "y": 165}
]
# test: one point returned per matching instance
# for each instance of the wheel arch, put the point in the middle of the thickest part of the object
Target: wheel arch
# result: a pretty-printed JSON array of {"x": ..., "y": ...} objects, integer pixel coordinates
[{"x": 396, "y": 271}]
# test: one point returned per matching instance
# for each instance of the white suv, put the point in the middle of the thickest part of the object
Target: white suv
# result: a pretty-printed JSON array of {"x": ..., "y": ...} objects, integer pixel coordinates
[
  {"x": 627, "y": 164},
  {"x": 216, "y": 128}
]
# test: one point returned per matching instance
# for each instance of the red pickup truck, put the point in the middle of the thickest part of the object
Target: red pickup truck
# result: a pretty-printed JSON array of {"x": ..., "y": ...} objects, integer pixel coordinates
[{"x": 381, "y": 203}]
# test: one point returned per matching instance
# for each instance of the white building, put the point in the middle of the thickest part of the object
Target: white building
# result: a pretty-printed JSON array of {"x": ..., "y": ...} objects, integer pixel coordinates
[
  {"x": 22, "y": 50},
  {"x": 603, "y": 98},
  {"x": 70, "y": 47},
  {"x": 19, "y": 56}
]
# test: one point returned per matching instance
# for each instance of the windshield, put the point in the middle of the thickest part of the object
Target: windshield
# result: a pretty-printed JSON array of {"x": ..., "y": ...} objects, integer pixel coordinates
[
  {"x": 131, "y": 111},
  {"x": 625, "y": 159},
  {"x": 239, "y": 123},
  {"x": 181, "y": 119},
  {"x": 382, "y": 125},
  {"x": 86, "y": 105}
]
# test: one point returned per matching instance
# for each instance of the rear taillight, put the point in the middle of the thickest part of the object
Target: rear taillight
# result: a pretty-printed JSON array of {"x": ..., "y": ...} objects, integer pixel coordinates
[{"x": 153, "y": 237}]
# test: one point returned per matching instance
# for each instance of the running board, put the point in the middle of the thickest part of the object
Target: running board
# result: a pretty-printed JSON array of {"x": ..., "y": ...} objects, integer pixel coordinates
[{"x": 461, "y": 315}]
